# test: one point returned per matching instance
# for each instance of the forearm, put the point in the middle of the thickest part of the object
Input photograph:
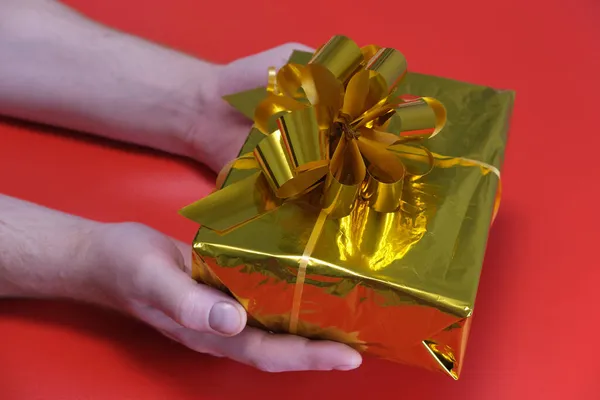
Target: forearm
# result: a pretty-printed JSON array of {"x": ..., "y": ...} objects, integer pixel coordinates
[
  {"x": 43, "y": 253},
  {"x": 60, "y": 68}
]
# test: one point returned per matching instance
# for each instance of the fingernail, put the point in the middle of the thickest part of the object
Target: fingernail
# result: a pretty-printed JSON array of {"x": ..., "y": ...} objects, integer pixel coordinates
[
  {"x": 347, "y": 367},
  {"x": 225, "y": 318},
  {"x": 354, "y": 363}
]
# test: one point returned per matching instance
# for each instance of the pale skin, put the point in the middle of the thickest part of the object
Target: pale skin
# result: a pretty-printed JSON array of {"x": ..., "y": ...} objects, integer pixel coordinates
[{"x": 59, "y": 68}]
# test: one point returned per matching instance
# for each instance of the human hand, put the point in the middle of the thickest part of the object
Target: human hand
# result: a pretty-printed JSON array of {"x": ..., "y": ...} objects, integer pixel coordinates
[
  {"x": 220, "y": 133},
  {"x": 183, "y": 311},
  {"x": 146, "y": 274}
]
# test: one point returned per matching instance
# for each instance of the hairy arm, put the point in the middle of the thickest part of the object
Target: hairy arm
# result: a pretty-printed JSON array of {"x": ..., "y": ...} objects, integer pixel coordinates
[
  {"x": 60, "y": 68},
  {"x": 43, "y": 253}
]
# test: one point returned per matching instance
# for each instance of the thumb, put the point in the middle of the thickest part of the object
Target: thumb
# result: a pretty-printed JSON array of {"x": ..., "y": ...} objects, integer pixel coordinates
[
  {"x": 195, "y": 306},
  {"x": 252, "y": 71}
]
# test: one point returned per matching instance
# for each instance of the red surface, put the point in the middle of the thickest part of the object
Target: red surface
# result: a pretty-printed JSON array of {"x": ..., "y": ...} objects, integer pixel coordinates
[{"x": 532, "y": 334}]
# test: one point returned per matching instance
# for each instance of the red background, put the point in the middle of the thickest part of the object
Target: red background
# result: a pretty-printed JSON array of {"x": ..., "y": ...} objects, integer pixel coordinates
[{"x": 532, "y": 332}]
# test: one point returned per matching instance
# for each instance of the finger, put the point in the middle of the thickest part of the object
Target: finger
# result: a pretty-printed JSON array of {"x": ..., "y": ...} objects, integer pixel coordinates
[
  {"x": 267, "y": 352},
  {"x": 281, "y": 353},
  {"x": 192, "y": 305},
  {"x": 251, "y": 72}
]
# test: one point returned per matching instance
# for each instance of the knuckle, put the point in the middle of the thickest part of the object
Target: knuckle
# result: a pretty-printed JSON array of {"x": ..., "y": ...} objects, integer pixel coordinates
[
  {"x": 260, "y": 357},
  {"x": 267, "y": 365},
  {"x": 184, "y": 337},
  {"x": 194, "y": 341},
  {"x": 174, "y": 335},
  {"x": 129, "y": 226},
  {"x": 196, "y": 346},
  {"x": 207, "y": 350}
]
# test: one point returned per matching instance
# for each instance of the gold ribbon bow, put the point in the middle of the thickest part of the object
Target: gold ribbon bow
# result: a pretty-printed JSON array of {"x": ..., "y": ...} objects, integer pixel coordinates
[
  {"x": 334, "y": 124},
  {"x": 334, "y": 127}
]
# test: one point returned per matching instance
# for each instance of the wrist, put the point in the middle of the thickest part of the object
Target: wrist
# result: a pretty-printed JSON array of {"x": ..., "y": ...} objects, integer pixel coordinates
[
  {"x": 197, "y": 103},
  {"x": 176, "y": 105},
  {"x": 219, "y": 130}
]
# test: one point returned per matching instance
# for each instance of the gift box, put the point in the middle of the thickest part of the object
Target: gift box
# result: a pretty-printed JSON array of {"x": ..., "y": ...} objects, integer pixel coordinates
[{"x": 359, "y": 207}]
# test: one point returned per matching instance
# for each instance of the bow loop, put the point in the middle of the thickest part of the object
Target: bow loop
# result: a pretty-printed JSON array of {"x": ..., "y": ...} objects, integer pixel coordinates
[
  {"x": 356, "y": 94},
  {"x": 390, "y": 65},
  {"x": 418, "y": 116},
  {"x": 341, "y": 56},
  {"x": 347, "y": 171},
  {"x": 369, "y": 51},
  {"x": 289, "y": 80},
  {"x": 271, "y": 109},
  {"x": 293, "y": 157}
]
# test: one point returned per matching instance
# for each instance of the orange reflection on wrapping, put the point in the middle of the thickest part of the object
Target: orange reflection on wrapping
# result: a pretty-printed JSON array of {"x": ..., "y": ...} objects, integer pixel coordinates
[{"x": 371, "y": 318}]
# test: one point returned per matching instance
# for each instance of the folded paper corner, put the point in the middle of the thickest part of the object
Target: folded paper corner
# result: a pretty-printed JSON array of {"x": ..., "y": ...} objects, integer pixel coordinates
[{"x": 447, "y": 348}]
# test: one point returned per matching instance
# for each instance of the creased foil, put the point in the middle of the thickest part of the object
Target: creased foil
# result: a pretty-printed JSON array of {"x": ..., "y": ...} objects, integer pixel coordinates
[{"x": 391, "y": 269}]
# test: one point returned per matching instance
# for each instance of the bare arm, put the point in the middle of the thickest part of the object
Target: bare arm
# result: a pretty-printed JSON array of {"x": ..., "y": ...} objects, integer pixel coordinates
[
  {"x": 34, "y": 243},
  {"x": 60, "y": 68}
]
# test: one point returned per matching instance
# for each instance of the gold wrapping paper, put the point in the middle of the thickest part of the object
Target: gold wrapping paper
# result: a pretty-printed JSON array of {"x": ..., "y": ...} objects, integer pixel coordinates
[{"x": 392, "y": 268}]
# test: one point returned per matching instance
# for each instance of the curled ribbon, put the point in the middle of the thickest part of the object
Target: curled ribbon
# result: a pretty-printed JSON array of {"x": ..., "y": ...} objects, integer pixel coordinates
[{"x": 331, "y": 127}]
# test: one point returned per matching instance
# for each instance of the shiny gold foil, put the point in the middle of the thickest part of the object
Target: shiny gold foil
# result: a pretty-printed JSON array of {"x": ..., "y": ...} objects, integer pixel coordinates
[{"x": 351, "y": 215}]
